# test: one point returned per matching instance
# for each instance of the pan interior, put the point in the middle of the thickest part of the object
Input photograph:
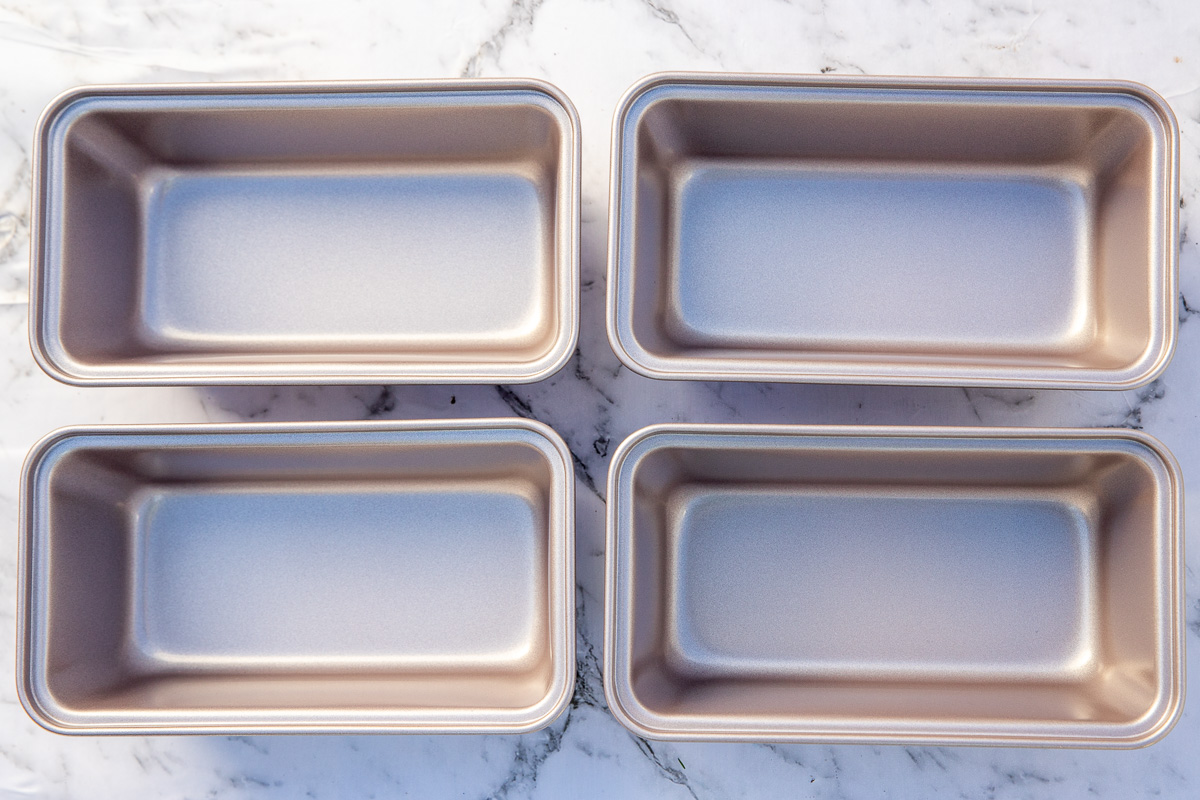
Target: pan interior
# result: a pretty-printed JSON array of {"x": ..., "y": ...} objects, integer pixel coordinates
[
  {"x": 885, "y": 259},
  {"x": 445, "y": 261},
  {"x": 888, "y": 582},
  {"x": 847, "y": 589},
  {"x": 337, "y": 582},
  {"x": 236, "y": 233},
  {"x": 800, "y": 231}
]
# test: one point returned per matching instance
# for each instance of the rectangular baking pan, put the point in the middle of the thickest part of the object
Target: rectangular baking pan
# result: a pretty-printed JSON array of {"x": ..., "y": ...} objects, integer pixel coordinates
[
  {"x": 306, "y": 233},
  {"x": 398, "y": 577},
  {"x": 926, "y": 585},
  {"x": 894, "y": 230}
]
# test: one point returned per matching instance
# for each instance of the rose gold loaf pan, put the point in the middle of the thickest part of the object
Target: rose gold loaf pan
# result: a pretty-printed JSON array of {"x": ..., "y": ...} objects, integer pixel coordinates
[
  {"x": 398, "y": 577},
  {"x": 306, "y": 233},
  {"x": 894, "y": 230},
  {"x": 926, "y": 585}
]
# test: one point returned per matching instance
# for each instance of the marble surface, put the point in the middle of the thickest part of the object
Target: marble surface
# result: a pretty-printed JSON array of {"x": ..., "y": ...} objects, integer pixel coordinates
[{"x": 593, "y": 50}]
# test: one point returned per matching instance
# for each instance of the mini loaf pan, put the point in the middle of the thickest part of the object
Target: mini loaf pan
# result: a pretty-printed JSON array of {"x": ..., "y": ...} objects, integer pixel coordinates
[
  {"x": 399, "y": 577},
  {"x": 925, "y": 585},
  {"x": 306, "y": 233},
  {"x": 894, "y": 230}
]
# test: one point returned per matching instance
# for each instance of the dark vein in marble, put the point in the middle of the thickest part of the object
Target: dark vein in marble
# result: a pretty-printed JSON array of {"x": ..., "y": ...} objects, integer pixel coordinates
[
  {"x": 581, "y": 375},
  {"x": 1186, "y": 311},
  {"x": 589, "y": 685},
  {"x": 601, "y": 430},
  {"x": 10, "y": 225},
  {"x": 1025, "y": 777},
  {"x": 522, "y": 408},
  {"x": 842, "y": 66},
  {"x": 971, "y": 402},
  {"x": 1145, "y": 396},
  {"x": 515, "y": 402},
  {"x": 383, "y": 403},
  {"x": 250, "y": 742},
  {"x": 529, "y": 758},
  {"x": 1011, "y": 402},
  {"x": 14, "y": 224},
  {"x": 832, "y": 774},
  {"x": 718, "y": 391},
  {"x": 923, "y": 756},
  {"x": 837, "y": 764},
  {"x": 601, "y": 443},
  {"x": 520, "y": 16},
  {"x": 660, "y": 11},
  {"x": 785, "y": 756},
  {"x": 585, "y": 474},
  {"x": 664, "y": 769},
  {"x": 263, "y": 410},
  {"x": 1194, "y": 622}
]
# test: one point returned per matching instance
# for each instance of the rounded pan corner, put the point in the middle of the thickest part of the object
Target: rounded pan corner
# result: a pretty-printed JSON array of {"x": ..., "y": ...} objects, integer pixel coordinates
[
  {"x": 42, "y": 355},
  {"x": 40, "y": 714},
  {"x": 636, "y": 91},
  {"x": 62, "y": 103},
  {"x": 555, "y": 709},
  {"x": 616, "y": 464},
  {"x": 624, "y": 352},
  {"x": 39, "y": 450},
  {"x": 554, "y": 442},
  {"x": 641, "y": 87},
  {"x": 1151, "y": 98},
  {"x": 1155, "y": 366},
  {"x": 1140, "y": 734},
  {"x": 564, "y": 348},
  {"x": 648, "y": 83},
  {"x": 1168, "y": 462},
  {"x": 556, "y": 94},
  {"x": 1154, "y": 444},
  {"x": 627, "y": 719},
  {"x": 48, "y": 714},
  {"x": 1160, "y": 727}
]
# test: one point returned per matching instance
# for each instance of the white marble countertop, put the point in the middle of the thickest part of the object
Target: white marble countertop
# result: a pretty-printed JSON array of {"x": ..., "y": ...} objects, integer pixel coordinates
[{"x": 593, "y": 50}]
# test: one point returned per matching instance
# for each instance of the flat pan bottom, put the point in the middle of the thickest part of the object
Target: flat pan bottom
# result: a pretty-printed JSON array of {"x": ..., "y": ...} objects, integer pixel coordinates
[
  {"x": 878, "y": 259},
  {"x": 253, "y": 578},
  {"x": 292, "y": 262},
  {"x": 857, "y": 583}
]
